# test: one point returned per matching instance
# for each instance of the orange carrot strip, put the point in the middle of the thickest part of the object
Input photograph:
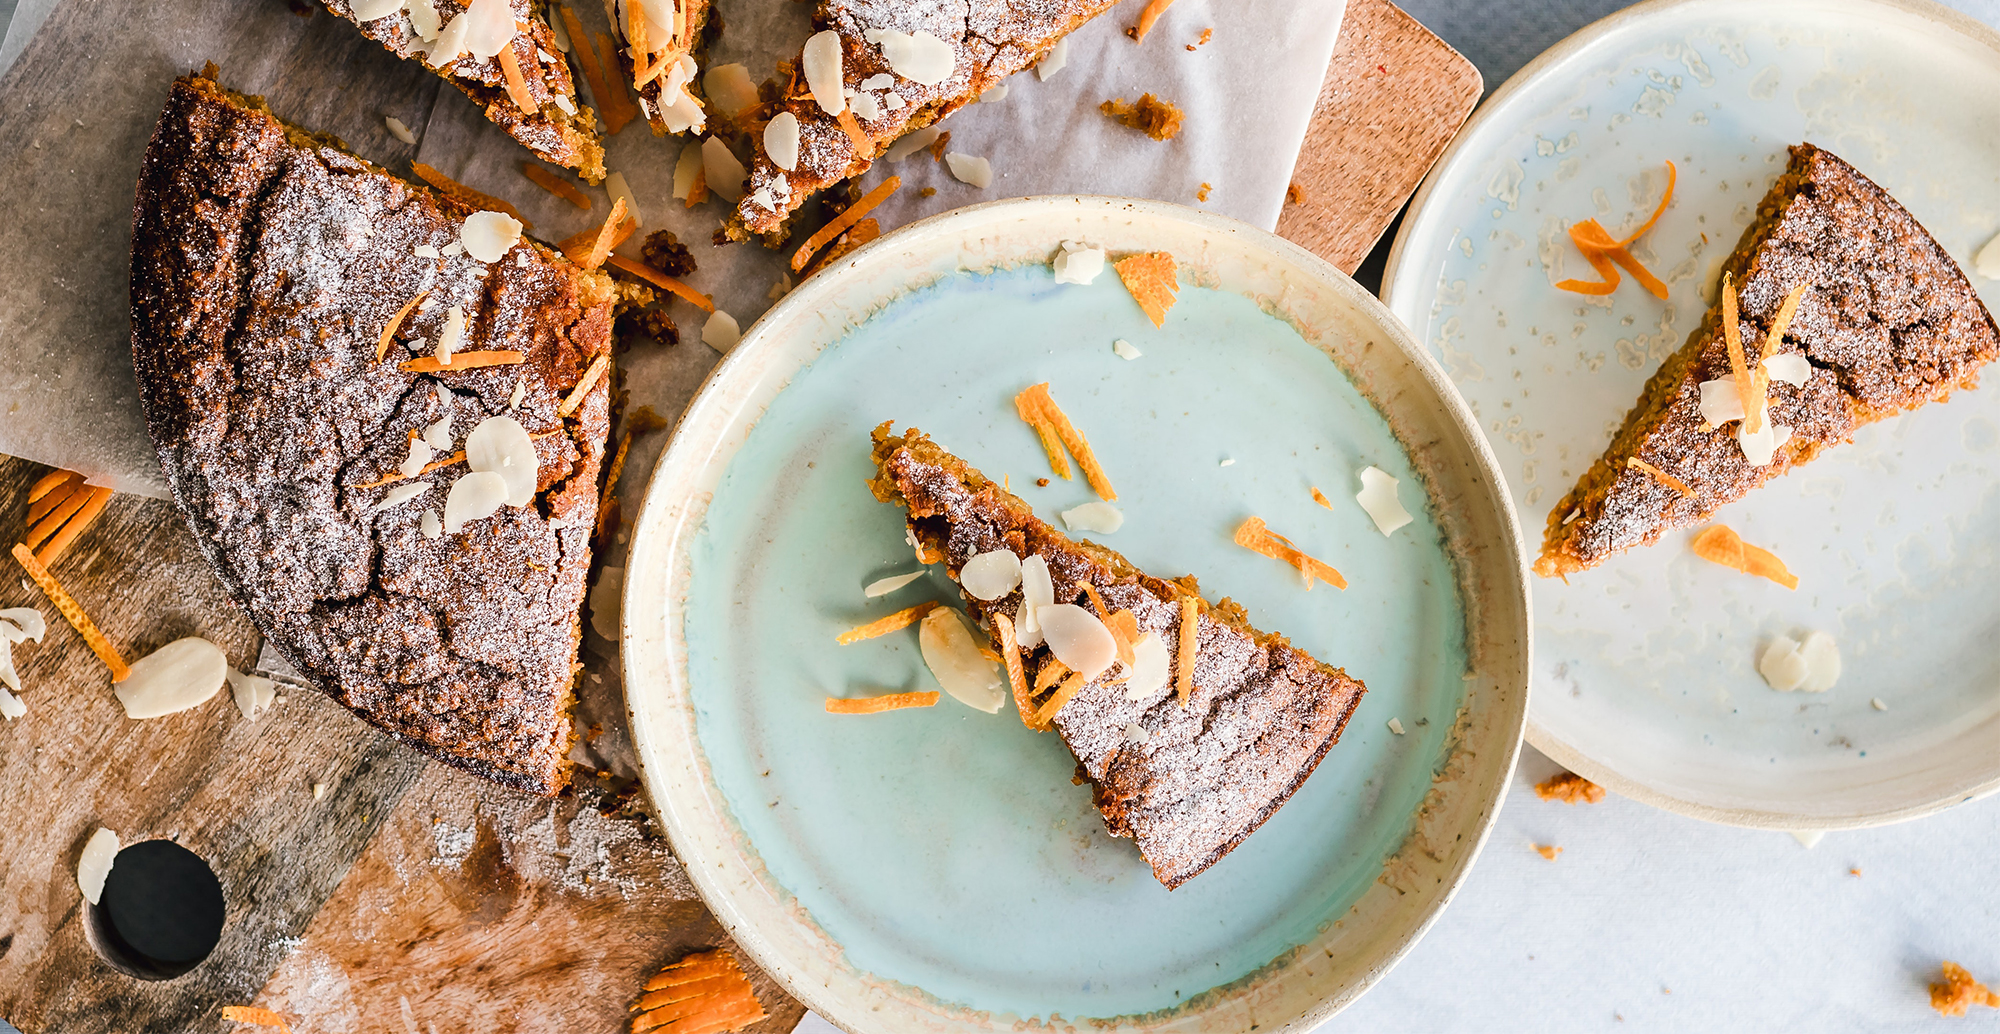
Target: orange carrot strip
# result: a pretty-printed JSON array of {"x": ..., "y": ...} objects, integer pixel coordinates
[
  {"x": 1147, "y": 16},
  {"x": 517, "y": 85},
  {"x": 1153, "y": 282},
  {"x": 600, "y": 243},
  {"x": 1124, "y": 626},
  {"x": 876, "y": 705},
  {"x": 84, "y": 518},
  {"x": 1774, "y": 339},
  {"x": 1320, "y": 498},
  {"x": 1037, "y": 397},
  {"x": 477, "y": 199},
  {"x": 841, "y": 222},
  {"x": 589, "y": 380},
  {"x": 73, "y": 613},
  {"x": 889, "y": 623},
  {"x": 1190, "y": 641},
  {"x": 635, "y": 33},
  {"x": 1064, "y": 693},
  {"x": 1718, "y": 543},
  {"x": 47, "y": 483},
  {"x": 1739, "y": 368},
  {"x": 395, "y": 324},
  {"x": 1096, "y": 601},
  {"x": 664, "y": 282},
  {"x": 863, "y": 147},
  {"x": 593, "y": 73},
  {"x": 556, "y": 185},
  {"x": 1010, "y": 650},
  {"x": 1653, "y": 285},
  {"x": 583, "y": 240},
  {"x": 54, "y": 518},
  {"x": 72, "y": 482},
  {"x": 649, "y": 72},
  {"x": 1031, "y": 414},
  {"x": 615, "y": 85},
  {"x": 1661, "y": 476},
  {"x": 1602, "y": 251},
  {"x": 1673, "y": 174},
  {"x": 1581, "y": 234},
  {"x": 1255, "y": 536},
  {"x": 462, "y": 361},
  {"x": 708, "y": 982},
  {"x": 252, "y": 1014}
]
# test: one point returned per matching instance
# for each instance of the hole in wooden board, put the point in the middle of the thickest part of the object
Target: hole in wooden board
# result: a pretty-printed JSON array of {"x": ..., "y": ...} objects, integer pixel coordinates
[{"x": 160, "y": 914}]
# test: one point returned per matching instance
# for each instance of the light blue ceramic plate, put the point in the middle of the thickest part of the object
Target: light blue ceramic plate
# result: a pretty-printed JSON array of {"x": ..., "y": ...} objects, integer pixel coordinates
[
  {"x": 1645, "y": 676},
  {"x": 938, "y": 868}
]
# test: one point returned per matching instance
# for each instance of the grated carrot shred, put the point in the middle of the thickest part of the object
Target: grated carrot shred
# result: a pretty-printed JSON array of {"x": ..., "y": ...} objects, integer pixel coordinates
[
  {"x": 839, "y": 224},
  {"x": 648, "y": 73},
  {"x": 253, "y": 1015},
  {"x": 55, "y": 518},
  {"x": 1147, "y": 16},
  {"x": 593, "y": 73},
  {"x": 396, "y": 323},
  {"x": 876, "y": 705},
  {"x": 517, "y": 85},
  {"x": 664, "y": 282},
  {"x": 72, "y": 483},
  {"x": 1124, "y": 626},
  {"x": 578, "y": 241},
  {"x": 635, "y": 34},
  {"x": 1774, "y": 339},
  {"x": 1153, "y": 282},
  {"x": 460, "y": 192},
  {"x": 76, "y": 525},
  {"x": 1320, "y": 498},
  {"x": 1659, "y": 475},
  {"x": 463, "y": 361},
  {"x": 1602, "y": 251},
  {"x": 1010, "y": 649},
  {"x": 1053, "y": 672},
  {"x": 600, "y": 243},
  {"x": 863, "y": 147},
  {"x": 886, "y": 624},
  {"x": 73, "y": 613},
  {"x": 615, "y": 95},
  {"x": 1189, "y": 644},
  {"x": 1739, "y": 367},
  {"x": 1257, "y": 537},
  {"x": 48, "y": 482},
  {"x": 1037, "y": 408},
  {"x": 1064, "y": 693},
  {"x": 704, "y": 993},
  {"x": 1719, "y": 543},
  {"x": 589, "y": 380},
  {"x": 556, "y": 185}
]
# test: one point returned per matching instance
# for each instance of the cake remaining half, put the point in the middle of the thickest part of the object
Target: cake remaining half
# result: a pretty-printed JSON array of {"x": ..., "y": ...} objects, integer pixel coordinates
[
  {"x": 989, "y": 40},
  {"x": 1887, "y": 323},
  {"x": 1207, "y": 773},
  {"x": 546, "y": 118},
  {"x": 266, "y": 264}
]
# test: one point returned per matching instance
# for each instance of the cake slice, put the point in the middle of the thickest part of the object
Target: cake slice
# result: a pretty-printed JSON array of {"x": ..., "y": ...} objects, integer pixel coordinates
[
  {"x": 274, "y": 335},
  {"x": 658, "y": 41},
  {"x": 535, "y": 101},
  {"x": 907, "y": 65},
  {"x": 1196, "y": 777},
  {"x": 1886, "y": 322}
]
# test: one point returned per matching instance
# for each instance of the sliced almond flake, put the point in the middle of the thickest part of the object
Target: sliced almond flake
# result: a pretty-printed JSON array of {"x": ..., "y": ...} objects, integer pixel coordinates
[
  {"x": 971, "y": 170},
  {"x": 425, "y": 251},
  {"x": 687, "y": 172},
  {"x": 1037, "y": 591},
  {"x": 994, "y": 95},
  {"x": 400, "y": 131},
  {"x": 368, "y": 10},
  {"x": 614, "y": 184},
  {"x": 1720, "y": 403},
  {"x": 1053, "y": 61},
  {"x": 866, "y": 106},
  {"x": 1761, "y": 447},
  {"x": 730, "y": 89},
  {"x": 913, "y": 142},
  {"x": 722, "y": 171},
  {"x": 1746, "y": 387},
  {"x": 1151, "y": 667},
  {"x": 1378, "y": 497},
  {"x": 1876, "y": 702},
  {"x": 432, "y": 525},
  {"x": 490, "y": 27},
  {"x": 11, "y": 706},
  {"x": 893, "y": 100},
  {"x": 93, "y": 866},
  {"x": 424, "y": 19},
  {"x": 28, "y": 624},
  {"x": 919, "y": 56},
  {"x": 885, "y": 586},
  {"x": 721, "y": 332},
  {"x": 500, "y": 445},
  {"x": 253, "y": 693},
  {"x": 452, "y": 250},
  {"x": 991, "y": 574},
  {"x": 1099, "y": 517},
  {"x": 1078, "y": 265},
  {"x": 1125, "y": 350},
  {"x": 1078, "y": 638},
  {"x": 449, "y": 337},
  {"x": 1136, "y": 733},
  {"x": 520, "y": 392},
  {"x": 959, "y": 665},
  {"x": 781, "y": 145},
  {"x": 1822, "y": 659},
  {"x": 401, "y": 494},
  {"x": 182, "y": 674},
  {"x": 820, "y": 62},
  {"x": 1396, "y": 726},
  {"x": 1791, "y": 367},
  {"x": 1782, "y": 666}
]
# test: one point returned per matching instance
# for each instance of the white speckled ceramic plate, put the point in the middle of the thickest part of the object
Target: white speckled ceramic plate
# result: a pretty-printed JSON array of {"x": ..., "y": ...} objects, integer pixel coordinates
[
  {"x": 1645, "y": 676},
  {"x": 937, "y": 869}
]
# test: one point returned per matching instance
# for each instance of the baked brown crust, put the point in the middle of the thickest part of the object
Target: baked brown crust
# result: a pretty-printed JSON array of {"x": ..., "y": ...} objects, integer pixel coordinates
[
  {"x": 1262, "y": 715},
  {"x": 990, "y": 39},
  {"x": 1888, "y": 322},
  {"x": 567, "y": 138},
  {"x": 265, "y": 264}
]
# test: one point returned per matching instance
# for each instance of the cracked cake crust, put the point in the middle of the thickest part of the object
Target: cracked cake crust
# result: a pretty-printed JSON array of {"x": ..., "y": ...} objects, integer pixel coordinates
[
  {"x": 990, "y": 40},
  {"x": 1263, "y": 713},
  {"x": 265, "y": 263},
  {"x": 1888, "y": 323}
]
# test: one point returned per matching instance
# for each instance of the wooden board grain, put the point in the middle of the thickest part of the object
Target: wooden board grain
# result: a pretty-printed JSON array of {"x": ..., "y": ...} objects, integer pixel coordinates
[{"x": 1394, "y": 96}]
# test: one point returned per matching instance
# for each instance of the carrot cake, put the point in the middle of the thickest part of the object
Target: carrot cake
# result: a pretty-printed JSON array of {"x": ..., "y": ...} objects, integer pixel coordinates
[
  {"x": 411, "y": 533},
  {"x": 658, "y": 45},
  {"x": 503, "y": 55},
  {"x": 1882, "y": 321},
  {"x": 885, "y": 68},
  {"x": 1233, "y": 720}
]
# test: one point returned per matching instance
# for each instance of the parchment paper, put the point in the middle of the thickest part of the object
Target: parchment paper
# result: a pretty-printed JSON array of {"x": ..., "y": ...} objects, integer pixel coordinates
[{"x": 80, "y": 99}]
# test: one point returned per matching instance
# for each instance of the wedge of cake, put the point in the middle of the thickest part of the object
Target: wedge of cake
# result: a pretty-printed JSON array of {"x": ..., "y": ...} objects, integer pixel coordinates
[
  {"x": 1883, "y": 321},
  {"x": 412, "y": 535},
  {"x": 503, "y": 55},
  {"x": 1186, "y": 777},
  {"x": 884, "y": 68},
  {"x": 658, "y": 44}
]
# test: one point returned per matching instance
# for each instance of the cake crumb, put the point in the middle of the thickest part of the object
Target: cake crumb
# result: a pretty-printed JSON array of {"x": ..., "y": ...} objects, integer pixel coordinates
[
  {"x": 1202, "y": 194},
  {"x": 927, "y": 192},
  {"x": 1548, "y": 851},
  {"x": 1158, "y": 119},
  {"x": 937, "y": 146},
  {"x": 1957, "y": 991},
  {"x": 1569, "y": 788},
  {"x": 1041, "y": 482},
  {"x": 1295, "y": 194},
  {"x": 1854, "y": 872}
]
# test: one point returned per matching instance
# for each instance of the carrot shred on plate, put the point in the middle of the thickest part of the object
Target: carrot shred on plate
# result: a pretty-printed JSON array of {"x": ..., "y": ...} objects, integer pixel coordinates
[
  {"x": 704, "y": 993},
  {"x": 1320, "y": 497},
  {"x": 886, "y": 702},
  {"x": 1153, "y": 281},
  {"x": 1254, "y": 535},
  {"x": 663, "y": 281},
  {"x": 459, "y": 191},
  {"x": 578, "y": 242},
  {"x": 48, "y": 482},
  {"x": 556, "y": 185},
  {"x": 55, "y": 518},
  {"x": 1147, "y": 16},
  {"x": 1040, "y": 411},
  {"x": 1017, "y": 678},
  {"x": 887, "y": 623},
  {"x": 863, "y": 147},
  {"x": 73, "y": 613},
  {"x": 839, "y": 224},
  {"x": 1747, "y": 392},
  {"x": 1605, "y": 254},
  {"x": 38, "y": 508},
  {"x": 615, "y": 94},
  {"x": 591, "y": 253},
  {"x": 1719, "y": 543}
]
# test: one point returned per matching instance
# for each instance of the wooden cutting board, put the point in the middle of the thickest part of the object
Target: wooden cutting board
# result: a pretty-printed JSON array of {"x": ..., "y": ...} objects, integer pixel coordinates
[{"x": 401, "y": 895}]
